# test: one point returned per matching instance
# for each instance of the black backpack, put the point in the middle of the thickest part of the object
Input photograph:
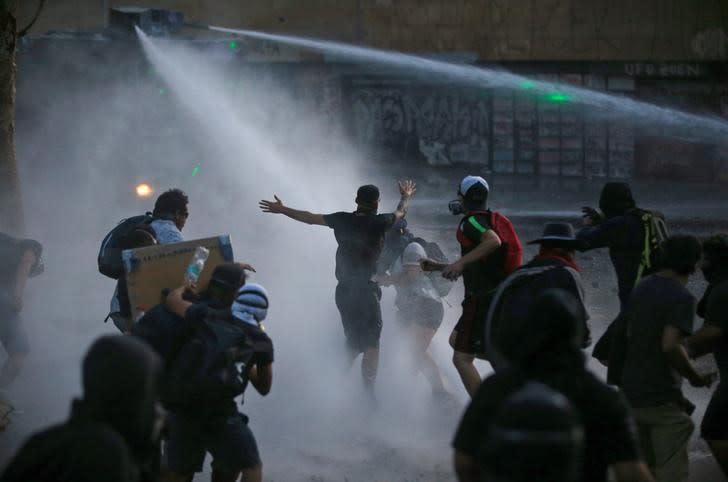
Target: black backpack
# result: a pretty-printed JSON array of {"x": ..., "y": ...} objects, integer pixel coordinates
[
  {"x": 434, "y": 252},
  {"x": 213, "y": 365},
  {"x": 109, "y": 260}
]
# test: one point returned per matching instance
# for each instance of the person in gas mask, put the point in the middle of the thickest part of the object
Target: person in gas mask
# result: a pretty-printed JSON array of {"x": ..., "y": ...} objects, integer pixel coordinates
[
  {"x": 112, "y": 432},
  {"x": 551, "y": 355},
  {"x": 713, "y": 338},
  {"x": 490, "y": 251},
  {"x": 633, "y": 236}
]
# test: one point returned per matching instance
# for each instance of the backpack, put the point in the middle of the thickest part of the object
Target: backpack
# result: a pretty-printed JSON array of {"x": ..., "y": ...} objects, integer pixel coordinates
[
  {"x": 655, "y": 229},
  {"x": 434, "y": 252},
  {"x": 212, "y": 365},
  {"x": 510, "y": 241},
  {"x": 109, "y": 259}
]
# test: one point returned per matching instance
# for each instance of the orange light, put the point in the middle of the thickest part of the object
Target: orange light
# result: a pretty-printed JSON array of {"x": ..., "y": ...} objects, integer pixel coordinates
[{"x": 144, "y": 190}]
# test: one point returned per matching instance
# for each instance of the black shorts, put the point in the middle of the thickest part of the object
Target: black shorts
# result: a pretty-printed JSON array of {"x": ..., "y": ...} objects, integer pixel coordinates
[
  {"x": 12, "y": 334},
  {"x": 470, "y": 327},
  {"x": 715, "y": 420},
  {"x": 228, "y": 439},
  {"x": 361, "y": 315},
  {"x": 424, "y": 312}
]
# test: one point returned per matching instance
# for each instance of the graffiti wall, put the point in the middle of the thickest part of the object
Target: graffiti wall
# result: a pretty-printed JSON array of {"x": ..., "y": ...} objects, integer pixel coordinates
[{"x": 410, "y": 122}]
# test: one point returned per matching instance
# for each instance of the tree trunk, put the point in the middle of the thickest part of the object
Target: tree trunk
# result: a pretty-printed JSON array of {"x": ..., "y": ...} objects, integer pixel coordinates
[{"x": 11, "y": 208}]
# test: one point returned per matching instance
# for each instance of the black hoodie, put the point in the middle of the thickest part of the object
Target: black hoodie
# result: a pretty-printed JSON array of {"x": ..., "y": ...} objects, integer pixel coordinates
[{"x": 110, "y": 434}]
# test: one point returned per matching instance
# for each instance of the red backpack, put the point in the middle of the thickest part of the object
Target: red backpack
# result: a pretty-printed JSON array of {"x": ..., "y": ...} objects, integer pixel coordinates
[{"x": 510, "y": 242}]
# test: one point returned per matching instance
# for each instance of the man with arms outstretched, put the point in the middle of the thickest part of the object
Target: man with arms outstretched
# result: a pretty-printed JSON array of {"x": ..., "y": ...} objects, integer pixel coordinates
[{"x": 360, "y": 238}]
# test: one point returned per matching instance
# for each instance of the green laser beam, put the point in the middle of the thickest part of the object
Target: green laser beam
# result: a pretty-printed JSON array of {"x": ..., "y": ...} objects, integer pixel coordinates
[
  {"x": 557, "y": 97},
  {"x": 195, "y": 171}
]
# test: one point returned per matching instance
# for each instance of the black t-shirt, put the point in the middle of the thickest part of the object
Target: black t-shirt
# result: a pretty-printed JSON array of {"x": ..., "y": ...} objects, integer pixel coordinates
[
  {"x": 483, "y": 275},
  {"x": 73, "y": 452},
  {"x": 716, "y": 313},
  {"x": 360, "y": 238},
  {"x": 610, "y": 434},
  {"x": 648, "y": 379}
]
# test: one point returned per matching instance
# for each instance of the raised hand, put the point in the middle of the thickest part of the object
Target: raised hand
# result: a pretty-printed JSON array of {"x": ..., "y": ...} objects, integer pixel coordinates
[
  {"x": 271, "y": 206},
  {"x": 407, "y": 188}
]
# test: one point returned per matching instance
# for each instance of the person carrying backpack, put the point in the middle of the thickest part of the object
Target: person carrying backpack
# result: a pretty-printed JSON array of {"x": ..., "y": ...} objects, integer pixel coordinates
[
  {"x": 418, "y": 300},
  {"x": 228, "y": 350},
  {"x": 490, "y": 251},
  {"x": 163, "y": 226},
  {"x": 633, "y": 236},
  {"x": 554, "y": 267}
]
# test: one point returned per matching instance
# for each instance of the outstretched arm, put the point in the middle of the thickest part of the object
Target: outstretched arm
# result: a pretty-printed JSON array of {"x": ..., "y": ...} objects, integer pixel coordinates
[
  {"x": 489, "y": 242},
  {"x": 406, "y": 190},
  {"x": 277, "y": 207}
]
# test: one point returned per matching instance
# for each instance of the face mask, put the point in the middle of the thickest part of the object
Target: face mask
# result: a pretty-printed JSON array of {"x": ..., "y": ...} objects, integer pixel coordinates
[{"x": 456, "y": 207}]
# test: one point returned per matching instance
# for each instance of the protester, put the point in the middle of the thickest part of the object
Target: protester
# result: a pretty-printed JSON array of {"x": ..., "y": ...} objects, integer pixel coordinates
[
  {"x": 360, "y": 236},
  {"x": 168, "y": 219},
  {"x": 21, "y": 259},
  {"x": 229, "y": 349},
  {"x": 490, "y": 251},
  {"x": 166, "y": 332},
  {"x": 418, "y": 301},
  {"x": 170, "y": 216},
  {"x": 536, "y": 435},
  {"x": 713, "y": 337},
  {"x": 551, "y": 355},
  {"x": 553, "y": 267},
  {"x": 632, "y": 236},
  {"x": 658, "y": 317},
  {"x": 112, "y": 431}
]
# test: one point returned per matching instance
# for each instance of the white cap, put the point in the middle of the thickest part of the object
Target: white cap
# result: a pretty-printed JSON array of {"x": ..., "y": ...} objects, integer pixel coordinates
[
  {"x": 413, "y": 254},
  {"x": 470, "y": 181}
]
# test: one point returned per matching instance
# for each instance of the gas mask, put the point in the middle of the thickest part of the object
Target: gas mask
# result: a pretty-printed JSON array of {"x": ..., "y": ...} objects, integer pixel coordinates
[{"x": 456, "y": 207}]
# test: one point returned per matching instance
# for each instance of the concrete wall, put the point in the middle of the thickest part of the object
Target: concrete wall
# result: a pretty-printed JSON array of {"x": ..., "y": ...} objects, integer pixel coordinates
[{"x": 494, "y": 30}]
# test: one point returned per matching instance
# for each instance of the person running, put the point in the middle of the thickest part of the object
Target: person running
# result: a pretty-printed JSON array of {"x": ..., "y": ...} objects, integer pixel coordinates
[
  {"x": 552, "y": 356},
  {"x": 658, "y": 317},
  {"x": 713, "y": 338},
  {"x": 553, "y": 267},
  {"x": 490, "y": 251},
  {"x": 207, "y": 418},
  {"x": 112, "y": 432},
  {"x": 21, "y": 259},
  {"x": 418, "y": 302},
  {"x": 360, "y": 237}
]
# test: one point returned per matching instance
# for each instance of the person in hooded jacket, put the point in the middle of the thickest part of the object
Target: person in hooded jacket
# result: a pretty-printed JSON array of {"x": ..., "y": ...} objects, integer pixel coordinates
[
  {"x": 551, "y": 356},
  {"x": 112, "y": 432},
  {"x": 620, "y": 228}
]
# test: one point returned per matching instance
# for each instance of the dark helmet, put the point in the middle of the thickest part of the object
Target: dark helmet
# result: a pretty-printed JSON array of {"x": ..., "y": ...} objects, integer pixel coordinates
[{"x": 536, "y": 435}]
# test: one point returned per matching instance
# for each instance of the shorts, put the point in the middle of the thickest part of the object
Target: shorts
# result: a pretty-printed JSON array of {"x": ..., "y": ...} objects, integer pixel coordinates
[
  {"x": 470, "y": 327},
  {"x": 424, "y": 312},
  {"x": 228, "y": 439},
  {"x": 361, "y": 315},
  {"x": 12, "y": 333},
  {"x": 715, "y": 420}
]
